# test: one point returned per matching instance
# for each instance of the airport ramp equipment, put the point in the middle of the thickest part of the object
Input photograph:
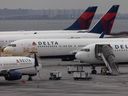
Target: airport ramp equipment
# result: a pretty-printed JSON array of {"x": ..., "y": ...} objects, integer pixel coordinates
[
  {"x": 105, "y": 53},
  {"x": 55, "y": 75},
  {"x": 81, "y": 76},
  {"x": 78, "y": 68}
]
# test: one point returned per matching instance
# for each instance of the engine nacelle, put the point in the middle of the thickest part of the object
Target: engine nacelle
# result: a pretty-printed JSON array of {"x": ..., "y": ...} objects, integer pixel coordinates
[
  {"x": 68, "y": 58},
  {"x": 87, "y": 54},
  {"x": 13, "y": 75}
]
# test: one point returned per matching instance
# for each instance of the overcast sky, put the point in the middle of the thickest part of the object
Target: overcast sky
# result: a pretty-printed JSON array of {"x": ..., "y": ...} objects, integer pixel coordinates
[{"x": 64, "y": 4}]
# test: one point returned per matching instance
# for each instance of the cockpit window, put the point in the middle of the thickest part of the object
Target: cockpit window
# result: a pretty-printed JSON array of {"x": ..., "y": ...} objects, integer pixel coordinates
[
  {"x": 12, "y": 45},
  {"x": 86, "y": 50}
]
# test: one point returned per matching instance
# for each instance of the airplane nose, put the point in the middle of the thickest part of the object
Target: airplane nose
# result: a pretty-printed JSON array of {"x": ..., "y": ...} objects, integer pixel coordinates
[{"x": 8, "y": 50}]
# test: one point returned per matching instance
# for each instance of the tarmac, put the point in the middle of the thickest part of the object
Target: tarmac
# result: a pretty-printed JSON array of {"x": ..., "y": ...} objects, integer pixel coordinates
[{"x": 99, "y": 85}]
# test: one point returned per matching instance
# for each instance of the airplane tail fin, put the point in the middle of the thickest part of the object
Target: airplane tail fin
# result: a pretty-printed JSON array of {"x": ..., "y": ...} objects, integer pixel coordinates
[
  {"x": 84, "y": 21},
  {"x": 106, "y": 22}
]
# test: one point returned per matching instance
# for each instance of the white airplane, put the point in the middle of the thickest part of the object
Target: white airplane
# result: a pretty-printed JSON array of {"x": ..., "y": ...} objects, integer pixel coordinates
[
  {"x": 7, "y": 39},
  {"x": 82, "y": 49},
  {"x": 57, "y": 48},
  {"x": 119, "y": 47},
  {"x": 13, "y": 68},
  {"x": 82, "y": 23},
  {"x": 108, "y": 54},
  {"x": 106, "y": 21}
]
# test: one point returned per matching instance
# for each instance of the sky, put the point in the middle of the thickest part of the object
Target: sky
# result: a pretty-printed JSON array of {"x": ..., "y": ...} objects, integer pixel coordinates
[{"x": 64, "y": 4}]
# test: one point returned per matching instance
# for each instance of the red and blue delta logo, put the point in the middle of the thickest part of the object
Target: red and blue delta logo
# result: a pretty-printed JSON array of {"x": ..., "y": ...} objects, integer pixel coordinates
[{"x": 34, "y": 43}]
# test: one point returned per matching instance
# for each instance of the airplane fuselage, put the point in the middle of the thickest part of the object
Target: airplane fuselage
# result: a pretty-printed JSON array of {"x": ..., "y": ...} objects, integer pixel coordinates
[
  {"x": 7, "y": 39},
  {"x": 88, "y": 53},
  {"x": 55, "y": 47},
  {"x": 24, "y": 65}
]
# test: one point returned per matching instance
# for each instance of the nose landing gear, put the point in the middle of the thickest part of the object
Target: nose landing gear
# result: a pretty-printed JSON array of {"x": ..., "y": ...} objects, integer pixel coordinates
[{"x": 93, "y": 70}]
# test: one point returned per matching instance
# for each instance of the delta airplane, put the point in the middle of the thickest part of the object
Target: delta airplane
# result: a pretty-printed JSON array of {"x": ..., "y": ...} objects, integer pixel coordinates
[
  {"x": 104, "y": 25},
  {"x": 119, "y": 47},
  {"x": 13, "y": 68},
  {"x": 109, "y": 51},
  {"x": 82, "y": 23},
  {"x": 54, "y": 48},
  {"x": 108, "y": 54}
]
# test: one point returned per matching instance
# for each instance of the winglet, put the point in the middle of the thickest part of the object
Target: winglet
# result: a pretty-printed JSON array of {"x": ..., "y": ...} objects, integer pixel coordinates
[
  {"x": 106, "y": 22},
  {"x": 84, "y": 21},
  {"x": 102, "y": 35}
]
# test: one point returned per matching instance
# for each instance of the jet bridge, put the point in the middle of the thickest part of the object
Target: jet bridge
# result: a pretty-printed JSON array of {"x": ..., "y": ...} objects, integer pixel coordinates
[{"x": 105, "y": 53}]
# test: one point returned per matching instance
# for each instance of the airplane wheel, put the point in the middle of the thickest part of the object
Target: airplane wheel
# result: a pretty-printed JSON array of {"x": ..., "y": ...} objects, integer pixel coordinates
[
  {"x": 94, "y": 72},
  {"x": 30, "y": 78}
]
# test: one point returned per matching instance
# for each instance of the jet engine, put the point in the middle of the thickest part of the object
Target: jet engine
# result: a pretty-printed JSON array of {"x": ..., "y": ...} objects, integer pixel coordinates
[
  {"x": 70, "y": 58},
  {"x": 12, "y": 75}
]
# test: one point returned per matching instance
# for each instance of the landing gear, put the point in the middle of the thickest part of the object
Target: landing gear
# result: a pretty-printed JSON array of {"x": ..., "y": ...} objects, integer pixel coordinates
[
  {"x": 93, "y": 70},
  {"x": 30, "y": 78},
  {"x": 105, "y": 71}
]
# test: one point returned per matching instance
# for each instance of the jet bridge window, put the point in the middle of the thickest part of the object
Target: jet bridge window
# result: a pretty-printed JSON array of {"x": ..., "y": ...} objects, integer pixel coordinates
[
  {"x": 86, "y": 50},
  {"x": 12, "y": 45}
]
